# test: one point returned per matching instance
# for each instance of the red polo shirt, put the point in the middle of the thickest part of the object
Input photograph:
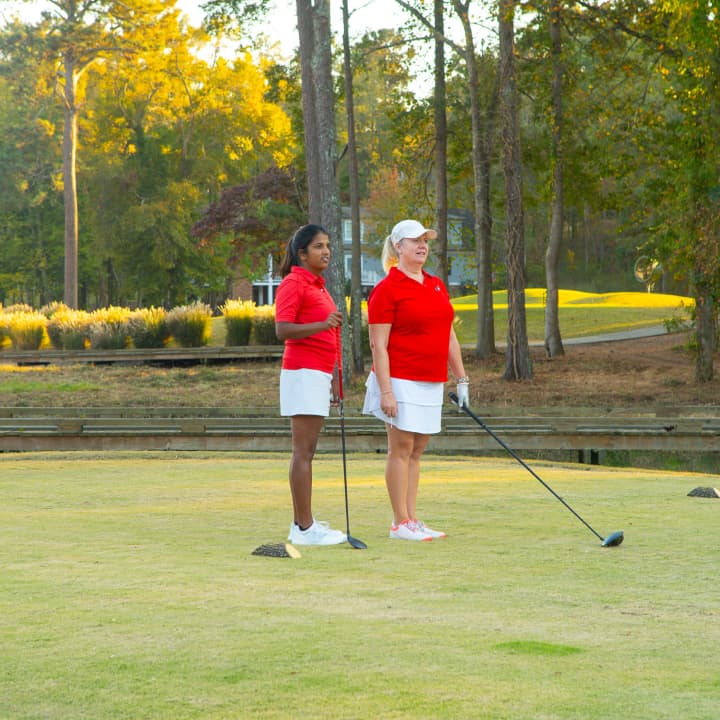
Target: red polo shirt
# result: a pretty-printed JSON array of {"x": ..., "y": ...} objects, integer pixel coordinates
[
  {"x": 302, "y": 298},
  {"x": 421, "y": 318}
]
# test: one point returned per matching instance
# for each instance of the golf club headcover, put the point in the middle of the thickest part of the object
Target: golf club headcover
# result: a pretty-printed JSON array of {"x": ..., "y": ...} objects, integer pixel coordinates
[{"x": 284, "y": 550}]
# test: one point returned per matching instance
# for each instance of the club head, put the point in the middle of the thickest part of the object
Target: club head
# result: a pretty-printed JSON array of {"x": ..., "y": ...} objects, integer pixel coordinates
[
  {"x": 613, "y": 540},
  {"x": 357, "y": 544}
]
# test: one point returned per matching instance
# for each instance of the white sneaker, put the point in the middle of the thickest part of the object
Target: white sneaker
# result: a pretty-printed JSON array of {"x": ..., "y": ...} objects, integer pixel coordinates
[
  {"x": 319, "y": 533},
  {"x": 407, "y": 531},
  {"x": 435, "y": 534}
]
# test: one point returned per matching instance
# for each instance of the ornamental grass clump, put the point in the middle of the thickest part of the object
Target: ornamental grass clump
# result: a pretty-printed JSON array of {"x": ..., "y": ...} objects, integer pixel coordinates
[
  {"x": 108, "y": 328},
  {"x": 49, "y": 309},
  {"x": 19, "y": 308},
  {"x": 238, "y": 315},
  {"x": 148, "y": 328},
  {"x": 69, "y": 329},
  {"x": 3, "y": 327},
  {"x": 263, "y": 332},
  {"x": 25, "y": 329},
  {"x": 190, "y": 325}
]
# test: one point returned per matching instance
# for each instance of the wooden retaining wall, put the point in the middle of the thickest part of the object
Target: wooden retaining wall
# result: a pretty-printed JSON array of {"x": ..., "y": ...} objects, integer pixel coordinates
[{"x": 261, "y": 429}]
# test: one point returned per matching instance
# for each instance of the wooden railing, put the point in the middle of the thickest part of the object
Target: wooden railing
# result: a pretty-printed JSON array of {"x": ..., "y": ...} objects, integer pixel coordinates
[{"x": 215, "y": 353}]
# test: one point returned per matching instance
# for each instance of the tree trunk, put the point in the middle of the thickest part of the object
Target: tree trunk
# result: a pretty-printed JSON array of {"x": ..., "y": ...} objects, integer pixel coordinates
[
  {"x": 482, "y": 131},
  {"x": 553, "y": 339},
  {"x": 306, "y": 36},
  {"x": 70, "y": 288},
  {"x": 318, "y": 102},
  {"x": 518, "y": 365},
  {"x": 356, "y": 266},
  {"x": 440, "y": 115},
  {"x": 706, "y": 334}
]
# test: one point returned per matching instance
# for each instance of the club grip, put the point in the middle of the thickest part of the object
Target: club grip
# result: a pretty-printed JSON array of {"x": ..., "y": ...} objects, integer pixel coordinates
[{"x": 453, "y": 396}]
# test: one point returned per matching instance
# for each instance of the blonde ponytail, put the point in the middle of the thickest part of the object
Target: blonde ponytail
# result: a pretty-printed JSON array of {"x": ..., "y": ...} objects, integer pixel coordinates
[{"x": 389, "y": 254}]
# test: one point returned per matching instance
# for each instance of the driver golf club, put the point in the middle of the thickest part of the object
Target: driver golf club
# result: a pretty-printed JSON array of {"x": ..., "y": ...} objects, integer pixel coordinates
[
  {"x": 353, "y": 542},
  {"x": 610, "y": 541}
]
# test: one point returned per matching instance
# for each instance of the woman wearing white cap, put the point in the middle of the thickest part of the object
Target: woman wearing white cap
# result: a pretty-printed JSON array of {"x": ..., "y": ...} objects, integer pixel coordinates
[{"x": 412, "y": 341}]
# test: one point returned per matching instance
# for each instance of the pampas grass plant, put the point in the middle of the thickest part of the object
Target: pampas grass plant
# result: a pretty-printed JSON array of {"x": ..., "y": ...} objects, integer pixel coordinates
[
  {"x": 18, "y": 308},
  {"x": 68, "y": 329},
  {"x": 263, "y": 330},
  {"x": 3, "y": 326},
  {"x": 26, "y": 329},
  {"x": 190, "y": 325},
  {"x": 49, "y": 309},
  {"x": 148, "y": 328},
  {"x": 238, "y": 316},
  {"x": 109, "y": 328}
]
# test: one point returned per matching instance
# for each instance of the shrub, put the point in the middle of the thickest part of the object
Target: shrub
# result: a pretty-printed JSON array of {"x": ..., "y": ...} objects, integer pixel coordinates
[
  {"x": 190, "y": 325},
  {"x": 3, "y": 327},
  {"x": 26, "y": 329},
  {"x": 263, "y": 330},
  {"x": 148, "y": 328},
  {"x": 18, "y": 308},
  {"x": 53, "y": 307},
  {"x": 108, "y": 328},
  {"x": 365, "y": 336},
  {"x": 68, "y": 329},
  {"x": 238, "y": 315}
]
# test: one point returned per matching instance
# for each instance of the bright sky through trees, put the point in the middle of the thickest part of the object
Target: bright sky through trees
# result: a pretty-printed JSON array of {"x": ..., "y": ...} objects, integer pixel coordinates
[
  {"x": 365, "y": 15},
  {"x": 281, "y": 25}
]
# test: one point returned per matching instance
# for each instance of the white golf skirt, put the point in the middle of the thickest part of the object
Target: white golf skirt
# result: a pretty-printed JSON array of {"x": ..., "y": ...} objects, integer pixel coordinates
[
  {"x": 419, "y": 404},
  {"x": 305, "y": 392}
]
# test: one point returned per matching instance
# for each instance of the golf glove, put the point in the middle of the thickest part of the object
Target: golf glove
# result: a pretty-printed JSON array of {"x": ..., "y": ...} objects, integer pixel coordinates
[{"x": 463, "y": 394}]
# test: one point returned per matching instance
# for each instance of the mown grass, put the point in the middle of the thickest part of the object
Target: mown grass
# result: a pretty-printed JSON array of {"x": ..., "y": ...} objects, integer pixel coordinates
[
  {"x": 128, "y": 590},
  {"x": 580, "y": 313}
]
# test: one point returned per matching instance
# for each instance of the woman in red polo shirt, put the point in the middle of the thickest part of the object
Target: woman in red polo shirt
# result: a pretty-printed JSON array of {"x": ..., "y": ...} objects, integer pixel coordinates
[
  {"x": 412, "y": 341},
  {"x": 307, "y": 319}
]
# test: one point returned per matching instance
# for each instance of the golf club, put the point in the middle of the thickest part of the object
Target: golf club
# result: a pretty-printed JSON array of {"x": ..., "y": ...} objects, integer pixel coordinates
[
  {"x": 353, "y": 542},
  {"x": 357, "y": 544},
  {"x": 610, "y": 541}
]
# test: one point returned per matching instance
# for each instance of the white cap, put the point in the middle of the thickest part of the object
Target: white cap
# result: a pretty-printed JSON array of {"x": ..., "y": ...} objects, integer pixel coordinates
[{"x": 410, "y": 229}]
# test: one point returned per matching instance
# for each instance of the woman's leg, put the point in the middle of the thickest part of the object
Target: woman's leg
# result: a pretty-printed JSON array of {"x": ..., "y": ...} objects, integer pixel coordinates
[
  {"x": 305, "y": 433},
  {"x": 401, "y": 450},
  {"x": 419, "y": 444}
]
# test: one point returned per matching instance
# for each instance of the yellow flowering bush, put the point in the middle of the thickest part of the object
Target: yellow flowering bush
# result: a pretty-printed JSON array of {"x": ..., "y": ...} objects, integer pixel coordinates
[{"x": 238, "y": 316}]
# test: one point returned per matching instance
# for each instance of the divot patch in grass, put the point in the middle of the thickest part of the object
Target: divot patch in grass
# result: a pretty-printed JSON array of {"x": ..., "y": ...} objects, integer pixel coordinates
[{"x": 534, "y": 647}]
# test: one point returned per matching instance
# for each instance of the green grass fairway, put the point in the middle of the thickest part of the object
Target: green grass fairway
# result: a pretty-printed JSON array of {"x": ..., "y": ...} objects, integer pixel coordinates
[
  {"x": 128, "y": 590},
  {"x": 580, "y": 313}
]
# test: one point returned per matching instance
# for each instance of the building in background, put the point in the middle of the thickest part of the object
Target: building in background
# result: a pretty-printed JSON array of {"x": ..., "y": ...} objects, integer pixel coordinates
[{"x": 461, "y": 259}]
